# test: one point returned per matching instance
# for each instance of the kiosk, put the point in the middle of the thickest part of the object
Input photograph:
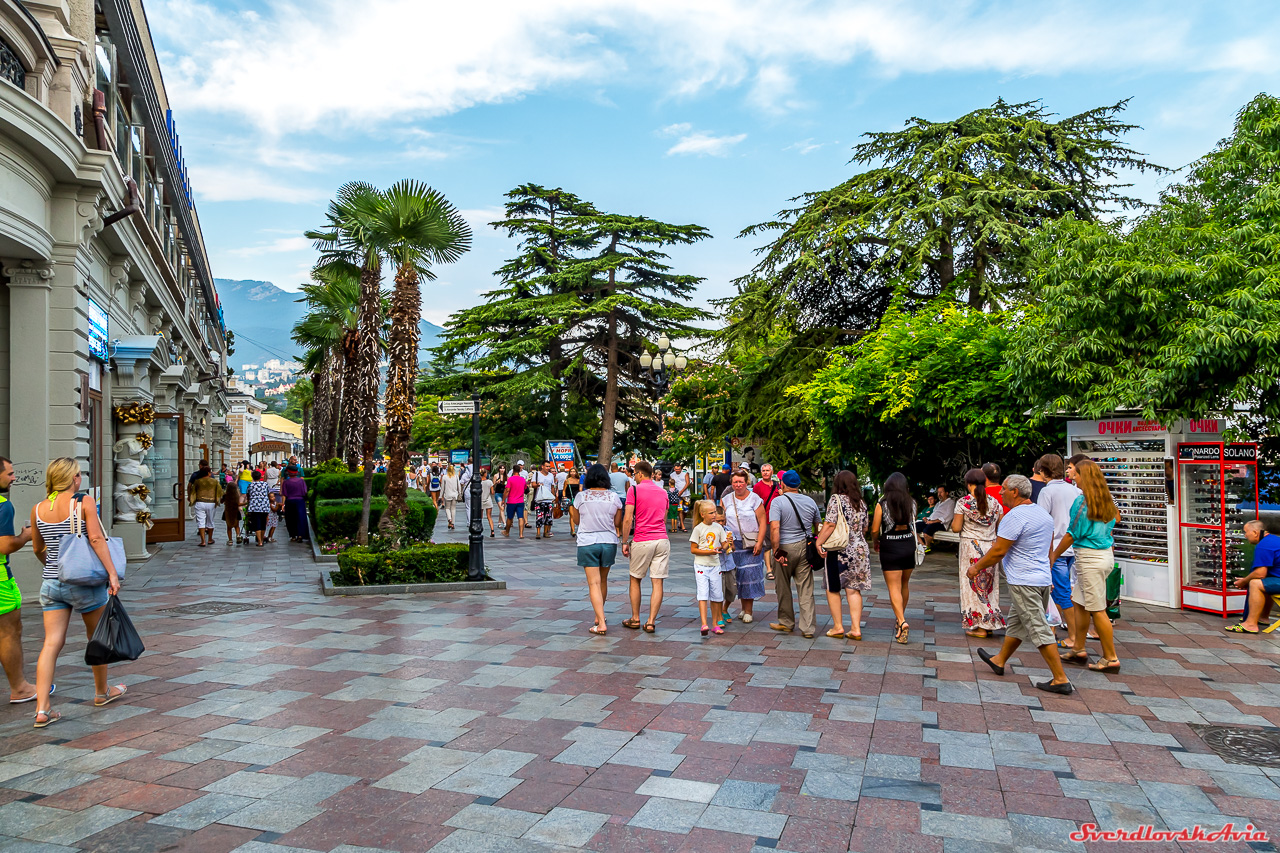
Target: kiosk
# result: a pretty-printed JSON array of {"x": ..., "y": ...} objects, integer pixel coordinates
[{"x": 1216, "y": 483}]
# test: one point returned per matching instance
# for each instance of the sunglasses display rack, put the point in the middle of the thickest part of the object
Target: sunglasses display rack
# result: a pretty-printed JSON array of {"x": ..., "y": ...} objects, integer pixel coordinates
[{"x": 1218, "y": 492}]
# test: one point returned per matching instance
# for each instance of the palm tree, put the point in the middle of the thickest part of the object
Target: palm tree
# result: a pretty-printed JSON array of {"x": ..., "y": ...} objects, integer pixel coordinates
[
  {"x": 331, "y": 329},
  {"x": 417, "y": 228},
  {"x": 346, "y": 239}
]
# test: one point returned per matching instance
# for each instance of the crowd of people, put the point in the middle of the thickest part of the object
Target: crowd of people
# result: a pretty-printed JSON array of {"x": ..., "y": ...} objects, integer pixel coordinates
[{"x": 254, "y": 498}]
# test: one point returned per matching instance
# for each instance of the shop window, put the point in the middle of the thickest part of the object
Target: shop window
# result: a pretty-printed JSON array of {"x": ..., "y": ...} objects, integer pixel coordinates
[{"x": 11, "y": 67}]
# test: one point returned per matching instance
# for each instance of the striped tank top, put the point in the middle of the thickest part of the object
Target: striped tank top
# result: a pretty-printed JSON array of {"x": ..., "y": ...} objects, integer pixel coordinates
[{"x": 51, "y": 534}]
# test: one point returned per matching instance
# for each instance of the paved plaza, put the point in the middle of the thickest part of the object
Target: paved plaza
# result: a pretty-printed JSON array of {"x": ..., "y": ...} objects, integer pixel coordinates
[{"x": 494, "y": 722}]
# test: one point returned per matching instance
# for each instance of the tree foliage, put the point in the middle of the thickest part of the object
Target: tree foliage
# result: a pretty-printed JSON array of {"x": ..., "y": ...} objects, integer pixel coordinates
[
  {"x": 927, "y": 394},
  {"x": 1176, "y": 316}
]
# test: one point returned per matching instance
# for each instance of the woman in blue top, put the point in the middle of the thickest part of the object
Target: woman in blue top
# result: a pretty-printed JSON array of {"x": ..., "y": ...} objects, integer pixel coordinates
[{"x": 1093, "y": 515}]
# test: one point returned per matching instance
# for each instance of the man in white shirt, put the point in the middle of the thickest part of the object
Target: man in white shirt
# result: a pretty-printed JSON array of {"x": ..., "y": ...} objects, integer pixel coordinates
[
  {"x": 618, "y": 481},
  {"x": 273, "y": 475},
  {"x": 543, "y": 482},
  {"x": 680, "y": 485},
  {"x": 1056, "y": 498},
  {"x": 464, "y": 483},
  {"x": 940, "y": 519}
]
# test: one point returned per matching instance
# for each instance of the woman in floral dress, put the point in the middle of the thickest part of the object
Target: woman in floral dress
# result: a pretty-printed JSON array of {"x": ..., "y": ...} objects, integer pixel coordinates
[
  {"x": 976, "y": 520},
  {"x": 849, "y": 570}
]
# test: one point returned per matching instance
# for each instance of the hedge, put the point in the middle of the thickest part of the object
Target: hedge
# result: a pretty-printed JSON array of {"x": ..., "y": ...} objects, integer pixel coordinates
[
  {"x": 334, "y": 519},
  {"x": 420, "y": 564},
  {"x": 328, "y": 486}
]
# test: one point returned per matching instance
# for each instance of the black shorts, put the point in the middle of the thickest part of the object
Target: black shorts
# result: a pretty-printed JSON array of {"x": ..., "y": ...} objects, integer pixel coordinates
[
  {"x": 898, "y": 551},
  {"x": 257, "y": 521}
]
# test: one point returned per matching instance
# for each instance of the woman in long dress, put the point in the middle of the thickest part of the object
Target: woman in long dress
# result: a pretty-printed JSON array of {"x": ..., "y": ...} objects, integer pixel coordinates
[
  {"x": 976, "y": 520},
  {"x": 848, "y": 570}
]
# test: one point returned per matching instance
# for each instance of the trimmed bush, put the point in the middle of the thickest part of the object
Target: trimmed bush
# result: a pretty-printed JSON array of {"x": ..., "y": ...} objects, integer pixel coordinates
[
  {"x": 344, "y": 485},
  {"x": 329, "y": 466},
  {"x": 335, "y": 519},
  {"x": 420, "y": 564}
]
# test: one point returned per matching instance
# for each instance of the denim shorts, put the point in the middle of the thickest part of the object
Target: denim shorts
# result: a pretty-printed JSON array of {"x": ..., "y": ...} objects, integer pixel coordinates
[
  {"x": 1271, "y": 585},
  {"x": 603, "y": 555},
  {"x": 56, "y": 595}
]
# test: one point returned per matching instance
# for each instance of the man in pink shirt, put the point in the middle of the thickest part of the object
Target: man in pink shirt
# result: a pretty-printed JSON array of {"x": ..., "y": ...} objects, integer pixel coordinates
[
  {"x": 645, "y": 542},
  {"x": 514, "y": 493}
]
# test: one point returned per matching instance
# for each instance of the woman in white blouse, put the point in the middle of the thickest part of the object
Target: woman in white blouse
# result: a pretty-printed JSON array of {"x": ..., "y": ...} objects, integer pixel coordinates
[
  {"x": 450, "y": 492},
  {"x": 597, "y": 513}
]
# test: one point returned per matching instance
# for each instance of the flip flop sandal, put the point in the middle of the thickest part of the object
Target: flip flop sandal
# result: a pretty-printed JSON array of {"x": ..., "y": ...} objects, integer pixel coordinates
[
  {"x": 836, "y": 635},
  {"x": 853, "y": 636},
  {"x": 597, "y": 630},
  {"x": 1105, "y": 666},
  {"x": 705, "y": 630},
  {"x": 1064, "y": 645},
  {"x": 50, "y": 717},
  {"x": 717, "y": 630},
  {"x": 53, "y": 689},
  {"x": 1238, "y": 629},
  {"x": 904, "y": 633},
  {"x": 650, "y": 627},
  {"x": 633, "y": 624},
  {"x": 109, "y": 698}
]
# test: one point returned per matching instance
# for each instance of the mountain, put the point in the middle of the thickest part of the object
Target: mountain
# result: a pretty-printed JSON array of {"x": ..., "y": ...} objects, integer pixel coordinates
[{"x": 262, "y": 317}]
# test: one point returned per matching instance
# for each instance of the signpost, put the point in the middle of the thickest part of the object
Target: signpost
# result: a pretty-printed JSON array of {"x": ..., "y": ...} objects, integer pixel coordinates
[{"x": 475, "y": 566}]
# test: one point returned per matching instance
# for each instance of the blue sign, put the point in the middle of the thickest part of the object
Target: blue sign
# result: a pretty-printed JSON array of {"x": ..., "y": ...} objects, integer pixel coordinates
[
  {"x": 459, "y": 457},
  {"x": 97, "y": 331}
]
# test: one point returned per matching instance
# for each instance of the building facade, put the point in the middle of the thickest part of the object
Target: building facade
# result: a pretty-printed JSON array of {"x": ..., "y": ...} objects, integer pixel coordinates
[{"x": 112, "y": 346}]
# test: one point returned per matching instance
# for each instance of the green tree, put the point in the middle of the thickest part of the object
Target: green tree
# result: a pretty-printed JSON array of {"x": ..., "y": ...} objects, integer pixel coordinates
[
  {"x": 347, "y": 240},
  {"x": 567, "y": 327},
  {"x": 928, "y": 394},
  {"x": 1175, "y": 315},
  {"x": 329, "y": 335}
]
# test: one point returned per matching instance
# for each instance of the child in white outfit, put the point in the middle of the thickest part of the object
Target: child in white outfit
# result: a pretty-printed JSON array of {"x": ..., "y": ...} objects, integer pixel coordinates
[{"x": 708, "y": 540}]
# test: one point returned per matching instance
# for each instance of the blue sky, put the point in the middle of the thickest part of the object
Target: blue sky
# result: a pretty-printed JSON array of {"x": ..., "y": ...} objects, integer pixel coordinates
[{"x": 712, "y": 113}]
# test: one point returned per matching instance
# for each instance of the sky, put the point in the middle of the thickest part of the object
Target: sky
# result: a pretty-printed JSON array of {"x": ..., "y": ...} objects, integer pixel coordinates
[{"x": 690, "y": 111}]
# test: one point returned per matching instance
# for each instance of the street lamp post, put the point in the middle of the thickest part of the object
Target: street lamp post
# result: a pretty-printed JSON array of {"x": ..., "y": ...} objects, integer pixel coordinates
[{"x": 663, "y": 367}]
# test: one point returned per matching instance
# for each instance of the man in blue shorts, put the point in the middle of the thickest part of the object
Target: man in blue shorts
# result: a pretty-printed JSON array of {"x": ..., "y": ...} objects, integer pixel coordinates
[
  {"x": 20, "y": 690},
  {"x": 1264, "y": 581}
]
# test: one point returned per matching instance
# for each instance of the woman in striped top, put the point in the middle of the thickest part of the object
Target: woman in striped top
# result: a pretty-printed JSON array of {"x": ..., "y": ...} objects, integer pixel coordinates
[{"x": 51, "y": 520}]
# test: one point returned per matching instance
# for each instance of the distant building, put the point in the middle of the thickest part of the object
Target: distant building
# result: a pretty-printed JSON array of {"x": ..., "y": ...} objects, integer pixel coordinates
[{"x": 244, "y": 416}]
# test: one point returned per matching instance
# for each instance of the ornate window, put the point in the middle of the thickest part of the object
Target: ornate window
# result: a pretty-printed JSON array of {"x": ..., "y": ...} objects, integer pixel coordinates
[{"x": 11, "y": 67}]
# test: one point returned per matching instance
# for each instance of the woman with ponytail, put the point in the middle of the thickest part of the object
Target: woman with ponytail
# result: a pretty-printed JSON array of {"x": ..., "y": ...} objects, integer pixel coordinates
[{"x": 977, "y": 517}]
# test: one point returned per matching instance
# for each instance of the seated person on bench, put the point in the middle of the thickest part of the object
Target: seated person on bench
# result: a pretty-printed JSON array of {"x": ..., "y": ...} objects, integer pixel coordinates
[
  {"x": 1264, "y": 581},
  {"x": 940, "y": 518}
]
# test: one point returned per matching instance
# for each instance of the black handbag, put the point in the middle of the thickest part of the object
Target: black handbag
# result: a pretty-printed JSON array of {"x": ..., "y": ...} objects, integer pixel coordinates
[
  {"x": 115, "y": 639},
  {"x": 810, "y": 541}
]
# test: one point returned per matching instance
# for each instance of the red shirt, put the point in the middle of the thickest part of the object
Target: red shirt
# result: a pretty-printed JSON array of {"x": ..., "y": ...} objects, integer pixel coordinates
[
  {"x": 767, "y": 492},
  {"x": 994, "y": 492}
]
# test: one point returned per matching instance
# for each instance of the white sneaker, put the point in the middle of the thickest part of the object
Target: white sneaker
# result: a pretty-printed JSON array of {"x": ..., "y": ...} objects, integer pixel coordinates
[{"x": 746, "y": 617}]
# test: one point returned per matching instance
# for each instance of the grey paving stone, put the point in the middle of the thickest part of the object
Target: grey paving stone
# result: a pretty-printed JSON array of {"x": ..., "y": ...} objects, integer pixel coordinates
[
  {"x": 1079, "y": 734},
  {"x": 832, "y": 786},
  {"x": 466, "y": 781},
  {"x": 49, "y": 780},
  {"x": 47, "y": 755},
  {"x": 1019, "y": 741},
  {"x": 1124, "y": 815},
  {"x": 198, "y": 814},
  {"x": 737, "y": 794},
  {"x": 77, "y": 825},
  {"x": 310, "y": 790},
  {"x": 1031, "y": 760},
  {"x": 467, "y": 841},
  {"x": 1044, "y": 833},
  {"x": 959, "y": 755},
  {"x": 830, "y": 762},
  {"x": 10, "y": 770},
  {"x": 1246, "y": 785},
  {"x": 965, "y": 845},
  {"x": 911, "y": 790},
  {"x": 567, "y": 827},
  {"x": 19, "y": 818},
  {"x": 1110, "y": 792},
  {"x": 103, "y": 758},
  {"x": 493, "y": 819},
  {"x": 988, "y": 830},
  {"x": 1165, "y": 796},
  {"x": 18, "y": 845},
  {"x": 247, "y": 783},
  {"x": 256, "y": 753},
  {"x": 892, "y": 766},
  {"x": 668, "y": 815},
  {"x": 678, "y": 789},
  {"x": 272, "y": 816},
  {"x": 202, "y": 750},
  {"x": 743, "y": 821}
]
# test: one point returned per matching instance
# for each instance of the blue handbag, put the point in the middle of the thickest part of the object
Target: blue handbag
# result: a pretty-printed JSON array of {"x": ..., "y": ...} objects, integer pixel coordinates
[{"x": 78, "y": 564}]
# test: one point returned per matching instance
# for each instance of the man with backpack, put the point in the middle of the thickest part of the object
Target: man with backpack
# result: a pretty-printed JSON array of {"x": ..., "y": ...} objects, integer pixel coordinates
[{"x": 793, "y": 520}]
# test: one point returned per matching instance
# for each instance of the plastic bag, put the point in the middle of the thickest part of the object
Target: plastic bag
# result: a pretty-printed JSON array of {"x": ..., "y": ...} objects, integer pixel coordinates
[
  {"x": 1114, "y": 581},
  {"x": 115, "y": 639}
]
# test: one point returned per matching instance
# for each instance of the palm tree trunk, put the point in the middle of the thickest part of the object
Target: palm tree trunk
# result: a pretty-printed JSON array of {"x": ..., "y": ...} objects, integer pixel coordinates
[
  {"x": 364, "y": 393},
  {"x": 332, "y": 423},
  {"x": 610, "y": 413},
  {"x": 320, "y": 407},
  {"x": 402, "y": 372},
  {"x": 351, "y": 433}
]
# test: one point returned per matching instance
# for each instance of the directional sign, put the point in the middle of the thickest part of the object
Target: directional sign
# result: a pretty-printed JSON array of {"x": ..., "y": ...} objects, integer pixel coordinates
[{"x": 458, "y": 407}]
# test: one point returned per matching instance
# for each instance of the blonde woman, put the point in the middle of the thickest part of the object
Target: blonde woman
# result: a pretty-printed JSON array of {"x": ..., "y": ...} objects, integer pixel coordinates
[
  {"x": 450, "y": 492},
  {"x": 1093, "y": 516},
  {"x": 51, "y": 519}
]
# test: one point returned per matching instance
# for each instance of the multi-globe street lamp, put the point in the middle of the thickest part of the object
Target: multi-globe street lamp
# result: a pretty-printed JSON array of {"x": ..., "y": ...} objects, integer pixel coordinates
[{"x": 660, "y": 369}]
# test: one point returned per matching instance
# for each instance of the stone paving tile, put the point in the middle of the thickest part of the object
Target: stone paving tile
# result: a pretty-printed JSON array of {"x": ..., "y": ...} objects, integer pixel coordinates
[{"x": 493, "y": 722}]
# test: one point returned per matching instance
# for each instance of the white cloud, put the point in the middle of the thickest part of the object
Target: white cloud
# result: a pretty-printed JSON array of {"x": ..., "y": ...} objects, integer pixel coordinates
[
  {"x": 702, "y": 143},
  {"x": 676, "y": 129},
  {"x": 235, "y": 183},
  {"x": 279, "y": 246},
  {"x": 294, "y": 68},
  {"x": 808, "y": 146}
]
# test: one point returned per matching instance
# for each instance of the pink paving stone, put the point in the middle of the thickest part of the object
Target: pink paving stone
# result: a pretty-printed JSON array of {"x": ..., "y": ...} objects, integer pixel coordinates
[
  {"x": 806, "y": 835},
  {"x": 973, "y": 801},
  {"x": 896, "y": 815},
  {"x": 89, "y": 794},
  {"x": 1064, "y": 808},
  {"x": 701, "y": 840},
  {"x": 615, "y": 836},
  {"x": 1100, "y": 770},
  {"x": 204, "y": 773},
  {"x": 1021, "y": 780},
  {"x": 869, "y": 840}
]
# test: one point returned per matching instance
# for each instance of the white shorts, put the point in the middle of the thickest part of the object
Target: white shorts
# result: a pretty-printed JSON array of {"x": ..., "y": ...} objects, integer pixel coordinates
[
  {"x": 204, "y": 514},
  {"x": 710, "y": 585}
]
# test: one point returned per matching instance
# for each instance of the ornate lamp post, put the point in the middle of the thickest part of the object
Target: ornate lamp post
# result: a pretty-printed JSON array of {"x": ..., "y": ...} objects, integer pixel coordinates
[{"x": 660, "y": 369}]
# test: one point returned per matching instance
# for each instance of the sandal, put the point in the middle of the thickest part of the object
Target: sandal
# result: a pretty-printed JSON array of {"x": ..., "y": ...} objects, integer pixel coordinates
[
  {"x": 705, "y": 630},
  {"x": 53, "y": 688},
  {"x": 1104, "y": 665},
  {"x": 596, "y": 629},
  {"x": 649, "y": 627},
  {"x": 836, "y": 635},
  {"x": 1238, "y": 629},
  {"x": 903, "y": 633},
  {"x": 633, "y": 624},
  {"x": 50, "y": 717},
  {"x": 981, "y": 633},
  {"x": 108, "y": 695},
  {"x": 1077, "y": 658},
  {"x": 853, "y": 636},
  {"x": 716, "y": 629}
]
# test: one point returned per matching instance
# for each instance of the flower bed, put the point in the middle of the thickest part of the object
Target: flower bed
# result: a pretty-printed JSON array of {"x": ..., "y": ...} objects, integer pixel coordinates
[{"x": 428, "y": 563}]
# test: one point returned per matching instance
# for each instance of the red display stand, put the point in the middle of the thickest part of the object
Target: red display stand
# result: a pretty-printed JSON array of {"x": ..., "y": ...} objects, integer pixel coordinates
[{"x": 1214, "y": 479}]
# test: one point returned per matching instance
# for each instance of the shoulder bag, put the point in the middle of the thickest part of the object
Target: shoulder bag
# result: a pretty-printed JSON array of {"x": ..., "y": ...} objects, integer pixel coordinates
[
  {"x": 78, "y": 563},
  {"x": 810, "y": 541},
  {"x": 839, "y": 538},
  {"x": 747, "y": 541},
  {"x": 919, "y": 541}
]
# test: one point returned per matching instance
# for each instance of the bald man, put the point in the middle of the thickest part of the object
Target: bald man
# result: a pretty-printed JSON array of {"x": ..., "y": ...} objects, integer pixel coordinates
[{"x": 1264, "y": 581}]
